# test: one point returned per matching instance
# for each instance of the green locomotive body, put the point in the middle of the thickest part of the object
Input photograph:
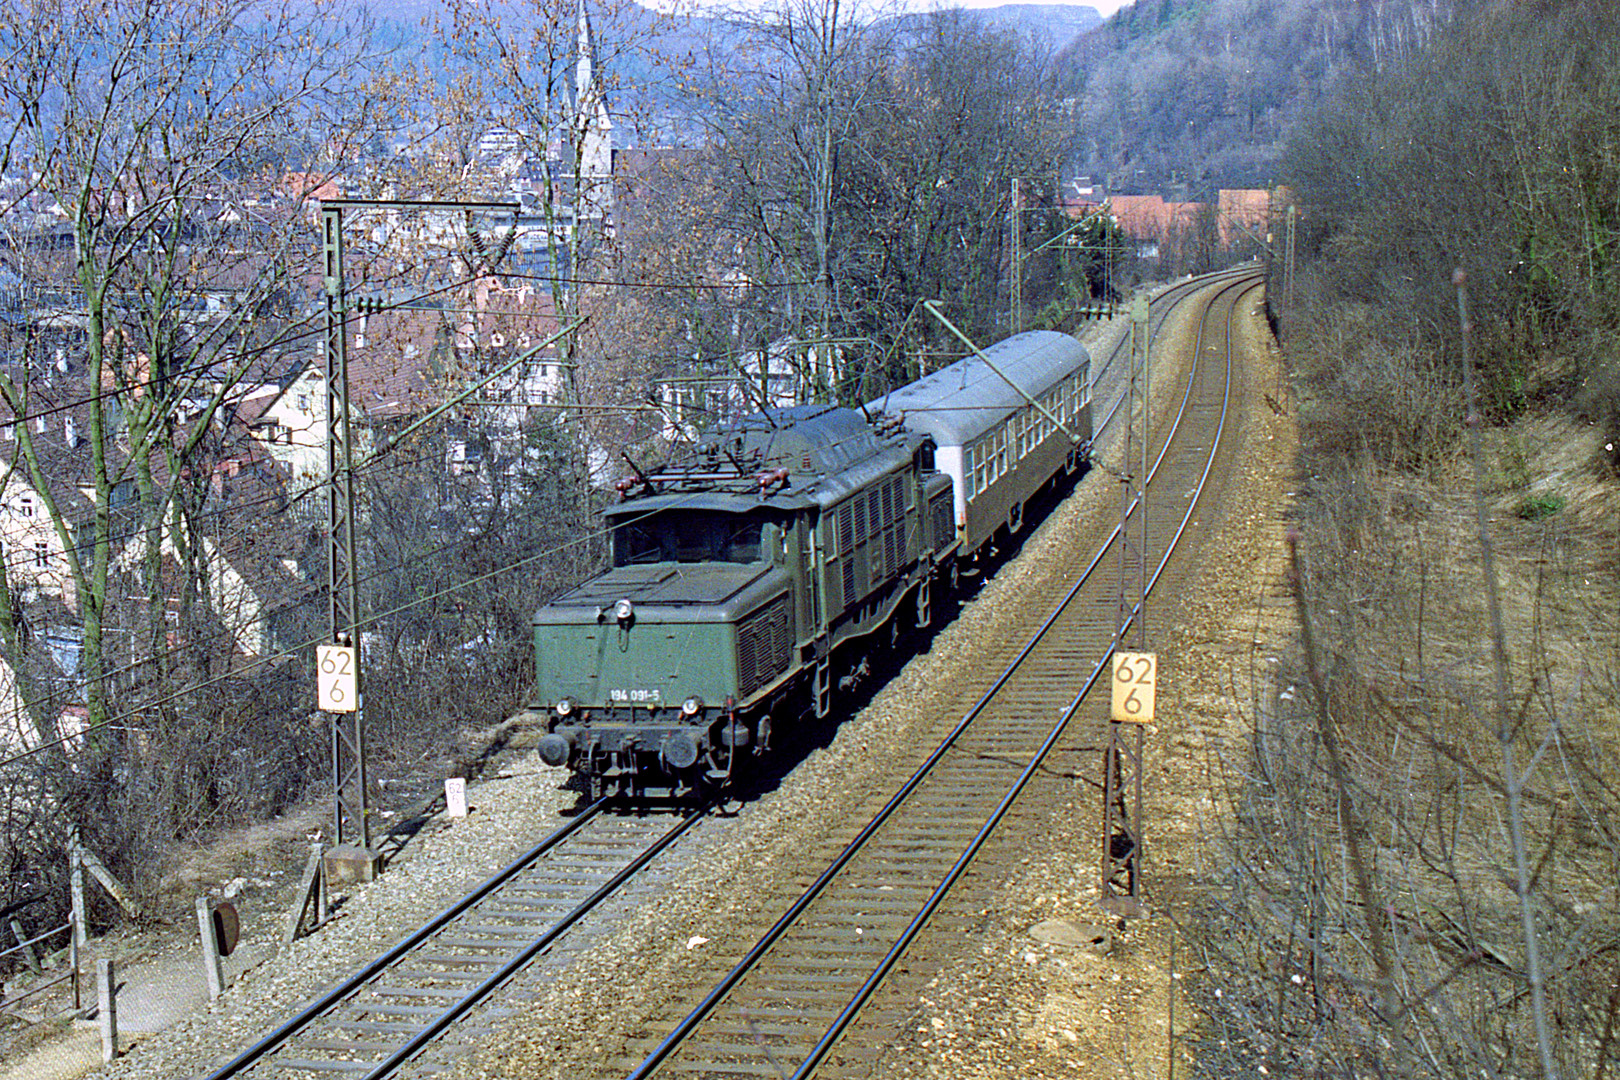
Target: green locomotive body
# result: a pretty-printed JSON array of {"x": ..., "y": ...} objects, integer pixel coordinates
[{"x": 737, "y": 576}]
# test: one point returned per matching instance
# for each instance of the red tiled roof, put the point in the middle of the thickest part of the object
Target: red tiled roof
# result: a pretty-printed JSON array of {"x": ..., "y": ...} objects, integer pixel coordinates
[
  {"x": 1243, "y": 212},
  {"x": 1150, "y": 216}
]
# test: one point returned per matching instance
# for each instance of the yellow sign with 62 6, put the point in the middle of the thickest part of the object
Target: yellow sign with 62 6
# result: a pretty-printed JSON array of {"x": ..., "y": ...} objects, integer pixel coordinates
[{"x": 1136, "y": 675}]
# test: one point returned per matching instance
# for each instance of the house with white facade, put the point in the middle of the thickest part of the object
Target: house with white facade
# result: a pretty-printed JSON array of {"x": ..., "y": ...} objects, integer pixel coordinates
[{"x": 711, "y": 391}]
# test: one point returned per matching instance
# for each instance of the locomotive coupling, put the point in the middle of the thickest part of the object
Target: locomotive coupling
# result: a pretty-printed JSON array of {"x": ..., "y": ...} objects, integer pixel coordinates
[
  {"x": 680, "y": 749},
  {"x": 556, "y": 748}
]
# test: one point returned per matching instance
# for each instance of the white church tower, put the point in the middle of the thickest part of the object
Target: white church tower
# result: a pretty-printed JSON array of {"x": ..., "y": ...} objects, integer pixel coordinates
[{"x": 593, "y": 129}]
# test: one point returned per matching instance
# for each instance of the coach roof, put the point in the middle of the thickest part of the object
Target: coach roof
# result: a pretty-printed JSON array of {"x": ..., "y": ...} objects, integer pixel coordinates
[{"x": 957, "y": 404}]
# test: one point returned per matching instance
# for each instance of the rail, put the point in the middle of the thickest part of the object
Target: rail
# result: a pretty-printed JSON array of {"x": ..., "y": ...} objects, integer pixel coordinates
[{"x": 429, "y": 1030}]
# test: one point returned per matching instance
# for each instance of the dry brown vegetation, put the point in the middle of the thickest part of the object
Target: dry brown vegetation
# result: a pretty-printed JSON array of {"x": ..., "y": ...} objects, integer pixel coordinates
[{"x": 1420, "y": 864}]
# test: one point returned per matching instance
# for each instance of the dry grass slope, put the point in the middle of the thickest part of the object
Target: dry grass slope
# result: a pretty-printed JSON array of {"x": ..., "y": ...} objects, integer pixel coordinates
[{"x": 1368, "y": 919}]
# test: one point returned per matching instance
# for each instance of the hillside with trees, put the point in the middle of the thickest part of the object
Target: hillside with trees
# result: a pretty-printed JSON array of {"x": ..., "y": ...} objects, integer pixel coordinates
[
  {"x": 1417, "y": 877},
  {"x": 1196, "y": 95}
]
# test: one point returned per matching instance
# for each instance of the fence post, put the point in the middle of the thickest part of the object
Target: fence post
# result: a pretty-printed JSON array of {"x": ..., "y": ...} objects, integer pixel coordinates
[
  {"x": 81, "y": 921},
  {"x": 212, "y": 971},
  {"x": 108, "y": 1011},
  {"x": 30, "y": 957},
  {"x": 312, "y": 894}
]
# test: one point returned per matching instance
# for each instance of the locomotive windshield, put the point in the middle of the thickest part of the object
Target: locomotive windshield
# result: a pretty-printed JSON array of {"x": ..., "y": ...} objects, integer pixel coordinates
[{"x": 690, "y": 536}]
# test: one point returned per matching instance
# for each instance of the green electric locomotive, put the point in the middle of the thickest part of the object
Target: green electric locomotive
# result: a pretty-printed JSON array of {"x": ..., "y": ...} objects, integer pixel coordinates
[{"x": 746, "y": 574}]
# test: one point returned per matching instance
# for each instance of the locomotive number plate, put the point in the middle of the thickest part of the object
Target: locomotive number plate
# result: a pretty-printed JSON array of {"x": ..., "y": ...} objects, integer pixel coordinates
[
  {"x": 1136, "y": 677},
  {"x": 634, "y": 697}
]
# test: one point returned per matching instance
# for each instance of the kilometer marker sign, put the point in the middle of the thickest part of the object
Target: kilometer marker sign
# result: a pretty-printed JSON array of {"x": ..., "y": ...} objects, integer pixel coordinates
[
  {"x": 1136, "y": 675},
  {"x": 337, "y": 682}
]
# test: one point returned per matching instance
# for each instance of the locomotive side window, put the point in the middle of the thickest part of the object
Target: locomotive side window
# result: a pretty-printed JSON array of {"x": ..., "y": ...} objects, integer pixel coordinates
[{"x": 742, "y": 543}]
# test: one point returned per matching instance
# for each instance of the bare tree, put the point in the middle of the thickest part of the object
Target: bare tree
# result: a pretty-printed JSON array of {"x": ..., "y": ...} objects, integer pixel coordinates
[
  {"x": 861, "y": 167},
  {"x": 163, "y": 150}
]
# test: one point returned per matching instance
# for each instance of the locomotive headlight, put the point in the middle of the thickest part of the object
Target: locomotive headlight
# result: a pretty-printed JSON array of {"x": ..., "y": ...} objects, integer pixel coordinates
[
  {"x": 691, "y": 706},
  {"x": 624, "y": 611},
  {"x": 565, "y": 708}
]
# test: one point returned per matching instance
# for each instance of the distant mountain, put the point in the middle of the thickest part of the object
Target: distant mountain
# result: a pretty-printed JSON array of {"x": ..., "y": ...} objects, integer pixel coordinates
[
  {"x": 1186, "y": 97},
  {"x": 1057, "y": 25},
  {"x": 414, "y": 28},
  {"x": 410, "y": 23}
]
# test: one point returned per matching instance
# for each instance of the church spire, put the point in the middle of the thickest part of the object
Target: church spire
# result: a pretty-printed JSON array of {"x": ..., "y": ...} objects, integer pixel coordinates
[{"x": 593, "y": 126}]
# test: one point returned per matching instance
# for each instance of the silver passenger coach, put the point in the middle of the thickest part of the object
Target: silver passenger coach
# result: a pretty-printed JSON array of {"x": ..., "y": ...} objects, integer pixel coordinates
[{"x": 997, "y": 447}]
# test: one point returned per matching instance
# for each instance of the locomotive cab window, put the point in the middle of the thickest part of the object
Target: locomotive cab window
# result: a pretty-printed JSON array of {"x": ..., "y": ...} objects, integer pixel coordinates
[{"x": 693, "y": 536}]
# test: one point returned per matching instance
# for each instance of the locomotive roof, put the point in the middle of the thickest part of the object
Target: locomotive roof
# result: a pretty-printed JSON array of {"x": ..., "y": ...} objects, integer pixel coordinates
[
  {"x": 957, "y": 404},
  {"x": 827, "y": 452},
  {"x": 806, "y": 438}
]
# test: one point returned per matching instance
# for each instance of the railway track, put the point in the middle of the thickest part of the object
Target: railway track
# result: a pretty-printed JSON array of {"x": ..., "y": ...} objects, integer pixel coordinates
[
  {"x": 436, "y": 993},
  {"x": 801, "y": 989}
]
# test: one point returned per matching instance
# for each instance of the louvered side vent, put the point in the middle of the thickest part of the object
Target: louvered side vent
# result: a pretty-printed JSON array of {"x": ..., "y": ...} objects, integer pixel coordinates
[
  {"x": 846, "y": 529},
  {"x": 764, "y": 646},
  {"x": 941, "y": 512},
  {"x": 849, "y": 583},
  {"x": 897, "y": 526},
  {"x": 875, "y": 560}
]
